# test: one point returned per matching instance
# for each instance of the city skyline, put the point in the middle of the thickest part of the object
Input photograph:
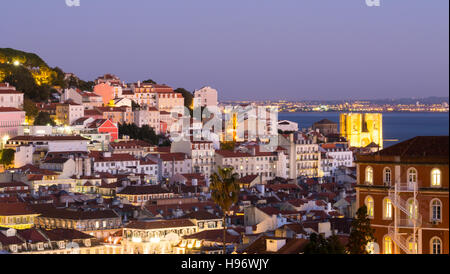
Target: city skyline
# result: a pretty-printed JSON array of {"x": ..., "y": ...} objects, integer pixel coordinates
[{"x": 302, "y": 50}]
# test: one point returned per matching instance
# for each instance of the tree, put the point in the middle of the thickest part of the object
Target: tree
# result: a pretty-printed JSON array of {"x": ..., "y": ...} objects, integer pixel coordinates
[
  {"x": 30, "y": 108},
  {"x": 318, "y": 244},
  {"x": 149, "y": 81},
  {"x": 7, "y": 157},
  {"x": 224, "y": 189},
  {"x": 43, "y": 119},
  {"x": 188, "y": 97},
  {"x": 227, "y": 145},
  {"x": 361, "y": 233}
]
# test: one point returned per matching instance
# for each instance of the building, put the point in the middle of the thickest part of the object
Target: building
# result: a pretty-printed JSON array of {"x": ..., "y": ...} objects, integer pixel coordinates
[
  {"x": 10, "y": 120},
  {"x": 42, "y": 241},
  {"x": 155, "y": 237},
  {"x": 100, "y": 223},
  {"x": 67, "y": 113},
  {"x": 108, "y": 92},
  {"x": 326, "y": 127},
  {"x": 117, "y": 115},
  {"x": 17, "y": 216},
  {"x": 50, "y": 143},
  {"x": 287, "y": 126},
  {"x": 405, "y": 188},
  {"x": 361, "y": 129},
  {"x": 141, "y": 194},
  {"x": 10, "y": 97},
  {"x": 201, "y": 153},
  {"x": 205, "y": 97},
  {"x": 148, "y": 116}
]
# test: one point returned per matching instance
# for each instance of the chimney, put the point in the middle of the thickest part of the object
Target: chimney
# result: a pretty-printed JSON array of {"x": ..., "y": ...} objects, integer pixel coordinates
[{"x": 273, "y": 245}]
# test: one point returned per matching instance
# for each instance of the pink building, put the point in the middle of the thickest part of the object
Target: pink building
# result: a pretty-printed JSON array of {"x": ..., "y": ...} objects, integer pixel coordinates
[
  {"x": 10, "y": 120},
  {"x": 10, "y": 97},
  {"x": 108, "y": 92}
]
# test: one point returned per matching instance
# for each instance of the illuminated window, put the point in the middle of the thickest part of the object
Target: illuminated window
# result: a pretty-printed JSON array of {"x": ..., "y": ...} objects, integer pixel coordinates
[
  {"x": 387, "y": 245},
  {"x": 387, "y": 209},
  {"x": 435, "y": 177},
  {"x": 413, "y": 209},
  {"x": 436, "y": 245},
  {"x": 369, "y": 175},
  {"x": 436, "y": 210},
  {"x": 370, "y": 206},
  {"x": 387, "y": 176},
  {"x": 412, "y": 245}
]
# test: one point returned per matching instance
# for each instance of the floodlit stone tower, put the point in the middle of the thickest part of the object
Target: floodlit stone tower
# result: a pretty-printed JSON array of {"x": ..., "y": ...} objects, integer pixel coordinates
[{"x": 361, "y": 129}]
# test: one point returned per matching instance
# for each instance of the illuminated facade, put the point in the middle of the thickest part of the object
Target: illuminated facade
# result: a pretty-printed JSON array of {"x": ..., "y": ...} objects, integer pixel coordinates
[{"x": 361, "y": 129}]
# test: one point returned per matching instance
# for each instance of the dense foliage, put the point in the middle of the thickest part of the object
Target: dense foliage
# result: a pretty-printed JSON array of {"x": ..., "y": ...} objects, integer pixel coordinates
[
  {"x": 7, "y": 157},
  {"x": 318, "y": 244},
  {"x": 361, "y": 233},
  {"x": 44, "y": 119},
  {"x": 144, "y": 133}
]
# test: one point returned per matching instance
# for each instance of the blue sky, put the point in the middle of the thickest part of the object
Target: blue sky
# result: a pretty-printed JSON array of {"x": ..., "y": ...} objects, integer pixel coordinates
[{"x": 247, "y": 49}]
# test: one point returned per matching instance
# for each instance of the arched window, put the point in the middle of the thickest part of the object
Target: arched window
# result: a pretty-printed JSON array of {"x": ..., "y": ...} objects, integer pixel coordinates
[
  {"x": 435, "y": 177},
  {"x": 412, "y": 245},
  {"x": 436, "y": 210},
  {"x": 413, "y": 208},
  {"x": 387, "y": 209},
  {"x": 436, "y": 245},
  {"x": 412, "y": 175},
  {"x": 387, "y": 245},
  {"x": 370, "y": 206},
  {"x": 369, "y": 175},
  {"x": 387, "y": 176}
]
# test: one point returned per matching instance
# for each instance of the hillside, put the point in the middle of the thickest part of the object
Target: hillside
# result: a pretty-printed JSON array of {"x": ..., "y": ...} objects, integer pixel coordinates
[{"x": 30, "y": 74}]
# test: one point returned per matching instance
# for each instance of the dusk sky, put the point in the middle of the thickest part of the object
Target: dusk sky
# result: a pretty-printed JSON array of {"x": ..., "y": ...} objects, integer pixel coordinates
[{"x": 246, "y": 49}]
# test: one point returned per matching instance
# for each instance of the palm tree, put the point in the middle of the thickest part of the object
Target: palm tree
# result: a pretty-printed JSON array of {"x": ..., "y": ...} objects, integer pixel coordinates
[{"x": 224, "y": 187}]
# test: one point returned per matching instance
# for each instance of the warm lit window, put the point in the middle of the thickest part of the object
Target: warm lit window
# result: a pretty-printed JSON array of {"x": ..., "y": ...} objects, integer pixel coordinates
[
  {"x": 369, "y": 204},
  {"x": 369, "y": 175},
  {"x": 435, "y": 177},
  {"x": 387, "y": 209},
  {"x": 413, "y": 209},
  {"x": 436, "y": 210},
  {"x": 387, "y": 245},
  {"x": 436, "y": 245},
  {"x": 412, "y": 245},
  {"x": 387, "y": 176}
]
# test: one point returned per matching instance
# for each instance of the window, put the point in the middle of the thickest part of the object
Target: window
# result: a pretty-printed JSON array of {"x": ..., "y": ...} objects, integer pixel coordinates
[
  {"x": 369, "y": 175},
  {"x": 387, "y": 209},
  {"x": 387, "y": 176},
  {"x": 436, "y": 209},
  {"x": 435, "y": 177},
  {"x": 387, "y": 244},
  {"x": 369, "y": 204},
  {"x": 436, "y": 245},
  {"x": 412, "y": 245},
  {"x": 413, "y": 208},
  {"x": 412, "y": 175}
]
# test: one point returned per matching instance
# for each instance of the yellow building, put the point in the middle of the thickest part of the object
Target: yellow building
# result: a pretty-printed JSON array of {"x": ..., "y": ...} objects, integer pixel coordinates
[
  {"x": 361, "y": 129},
  {"x": 16, "y": 215}
]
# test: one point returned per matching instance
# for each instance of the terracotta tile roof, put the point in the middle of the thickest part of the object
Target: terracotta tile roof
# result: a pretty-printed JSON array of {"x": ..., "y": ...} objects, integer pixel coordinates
[
  {"x": 215, "y": 235},
  {"x": 76, "y": 215},
  {"x": 143, "y": 189},
  {"x": 160, "y": 224},
  {"x": 201, "y": 215},
  {"x": 419, "y": 146},
  {"x": 48, "y": 138},
  {"x": 9, "y": 109},
  {"x": 13, "y": 209}
]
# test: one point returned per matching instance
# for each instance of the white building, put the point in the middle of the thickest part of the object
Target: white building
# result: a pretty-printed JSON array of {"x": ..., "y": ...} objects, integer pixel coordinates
[
  {"x": 340, "y": 155},
  {"x": 10, "y": 97},
  {"x": 286, "y": 125},
  {"x": 205, "y": 96},
  {"x": 148, "y": 116},
  {"x": 50, "y": 143},
  {"x": 201, "y": 153}
]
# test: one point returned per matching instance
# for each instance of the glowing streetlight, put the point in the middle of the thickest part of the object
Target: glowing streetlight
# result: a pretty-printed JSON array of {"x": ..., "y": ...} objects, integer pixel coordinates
[{"x": 16, "y": 63}]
